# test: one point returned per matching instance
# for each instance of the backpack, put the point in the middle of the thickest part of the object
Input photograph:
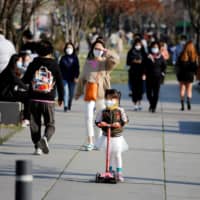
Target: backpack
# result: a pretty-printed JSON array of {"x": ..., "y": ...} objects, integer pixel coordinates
[{"x": 43, "y": 80}]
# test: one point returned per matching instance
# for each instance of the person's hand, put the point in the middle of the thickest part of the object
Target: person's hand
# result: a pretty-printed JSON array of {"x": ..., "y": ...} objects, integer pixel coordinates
[
  {"x": 151, "y": 58},
  {"x": 106, "y": 52},
  {"x": 76, "y": 80},
  {"x": 143, "y": 77},
  {"x": 137, "y": 61},
  {"x": 102, "y": 124},
  {"x": 59, "y": 103},
  {"x": 116, "y": 125}
]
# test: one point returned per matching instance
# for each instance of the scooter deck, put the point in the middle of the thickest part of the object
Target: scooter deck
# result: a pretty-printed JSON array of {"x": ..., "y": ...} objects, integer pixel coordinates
[{"x": 106, "y": 177}]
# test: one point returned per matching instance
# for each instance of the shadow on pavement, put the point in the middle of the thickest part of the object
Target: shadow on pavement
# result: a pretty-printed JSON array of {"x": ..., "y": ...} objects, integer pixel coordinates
[{"x": 189, "y": 127}]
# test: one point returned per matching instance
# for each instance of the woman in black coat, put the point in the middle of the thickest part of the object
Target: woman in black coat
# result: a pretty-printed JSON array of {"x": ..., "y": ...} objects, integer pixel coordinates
[
  {"x": 155, "y": 68},
  {"x": 12, "y": 87},
  {"x": 135, "y": 59},
  {"x": 186, "y": 68}
]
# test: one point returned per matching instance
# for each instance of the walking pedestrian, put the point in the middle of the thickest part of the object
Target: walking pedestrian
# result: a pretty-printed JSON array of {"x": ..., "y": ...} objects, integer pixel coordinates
[
  {"x": 135, "y": 59},
  {"x": 155, "y": 68},
  {"x": 178, "y": 49},
  {"x": 69, "y": 65},
  {"x": 115, "y": 117},
  {"x": 44, "y": 77},
  {"x": 13, "y": 89},
  {"x": 23, "y": 63},
  {"x": 186, "y": 68},
  {"x": 93, "y": 82}
]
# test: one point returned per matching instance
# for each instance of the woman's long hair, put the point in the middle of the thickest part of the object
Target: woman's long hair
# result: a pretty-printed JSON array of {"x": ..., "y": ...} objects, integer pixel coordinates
[
  {"x": 12, "y": 62},
  {"x": 189, "y": 53}
]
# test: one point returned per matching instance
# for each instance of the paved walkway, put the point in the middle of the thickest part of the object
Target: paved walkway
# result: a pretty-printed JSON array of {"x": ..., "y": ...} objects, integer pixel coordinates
[{"x": 163, "y": 162}]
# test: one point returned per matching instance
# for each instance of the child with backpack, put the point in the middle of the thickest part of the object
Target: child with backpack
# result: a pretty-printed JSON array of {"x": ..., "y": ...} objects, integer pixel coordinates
[
  {"x": 115, "y": 117},
  {"x": 44, "y": 77}
]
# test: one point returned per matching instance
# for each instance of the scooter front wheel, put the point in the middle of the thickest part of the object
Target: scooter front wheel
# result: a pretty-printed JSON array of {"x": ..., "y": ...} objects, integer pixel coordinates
[{"x": 97, "y": 180}]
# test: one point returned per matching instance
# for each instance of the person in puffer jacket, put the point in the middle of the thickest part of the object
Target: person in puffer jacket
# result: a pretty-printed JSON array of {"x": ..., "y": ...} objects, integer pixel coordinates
[{"x": 115, "y": 118}]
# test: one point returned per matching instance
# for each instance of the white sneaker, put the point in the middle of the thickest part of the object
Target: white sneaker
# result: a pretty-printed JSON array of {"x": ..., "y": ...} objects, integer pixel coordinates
[
  {"x": 89, "y": 147},
  {"x": 135, "y": 108},
  {"x": 25, "y": 123},
  {"x": 120, "y": 178},
  {"x": 38, "y": 152},
  {"x": 139, "y": 107},
  {"x": 44, "y": 145}
]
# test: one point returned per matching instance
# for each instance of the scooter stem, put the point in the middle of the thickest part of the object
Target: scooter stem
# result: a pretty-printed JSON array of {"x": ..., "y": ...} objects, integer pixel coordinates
[{"x": 108, "y": 150}]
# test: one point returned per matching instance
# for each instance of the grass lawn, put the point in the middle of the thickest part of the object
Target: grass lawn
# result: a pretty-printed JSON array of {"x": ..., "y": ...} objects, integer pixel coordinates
[{"x": 7, "y": 131}]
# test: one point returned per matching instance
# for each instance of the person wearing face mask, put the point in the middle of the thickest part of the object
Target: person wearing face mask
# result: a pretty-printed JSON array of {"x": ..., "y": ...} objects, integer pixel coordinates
[
  {"x": 70, "y": 69},
  {"x": 178, "y": 49},
  {"x": 96, "y": 73},
  {"x": 114, "y": 116},
  {"x": 23, "y": 62},
  {"x": 135, "y": 59},
  {"x": 12, "y": 88},
  {"x": 155, "y": 68}
]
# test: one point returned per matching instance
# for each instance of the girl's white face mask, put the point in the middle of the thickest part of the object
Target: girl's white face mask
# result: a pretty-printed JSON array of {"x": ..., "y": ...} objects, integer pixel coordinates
[
  {"x": 155, "y": 50},
  {"x": 69, "y": 51},
  {"x": 138, "y": 47},
  {"x": 110, "y": 103},
  {"x": 97, "y": 53}
]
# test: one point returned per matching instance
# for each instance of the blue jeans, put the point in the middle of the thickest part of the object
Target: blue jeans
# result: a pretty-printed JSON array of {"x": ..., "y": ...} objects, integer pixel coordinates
[{"x": 69, "y": 87}]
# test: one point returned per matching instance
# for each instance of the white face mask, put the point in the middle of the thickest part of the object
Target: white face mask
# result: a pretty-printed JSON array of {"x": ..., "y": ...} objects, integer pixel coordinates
[
  {"x": 97, "y": 53},
  {"x": 155, "y": 50},
  {"x": 19, "y": 64},
  {"x": 138, "y": 47},
  {"x": 182, "y": 42},
  {"x": 110, "y": 103},
  {"x": 69, "y": 51}
]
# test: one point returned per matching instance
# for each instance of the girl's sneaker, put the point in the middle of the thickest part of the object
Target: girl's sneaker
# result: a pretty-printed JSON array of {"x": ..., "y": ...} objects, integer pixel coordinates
[
  {"x": 38, "y": 152},
  {"x": 89, "y": 147},
  {"x": 119, "y": 177},
  {"x": 139, "y": 107},
  {"x": 44, "y": 145},
  {"x": 25, "y": 123},
  {"x": 135, "y": 108}
]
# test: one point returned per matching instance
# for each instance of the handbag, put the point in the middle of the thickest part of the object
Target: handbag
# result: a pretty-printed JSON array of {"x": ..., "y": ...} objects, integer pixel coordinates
[{"x": 91, "y": 90}]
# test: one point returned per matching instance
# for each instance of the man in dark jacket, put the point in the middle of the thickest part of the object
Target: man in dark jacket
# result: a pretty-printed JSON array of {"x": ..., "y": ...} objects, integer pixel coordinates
[{"x": 43, "y": 76}]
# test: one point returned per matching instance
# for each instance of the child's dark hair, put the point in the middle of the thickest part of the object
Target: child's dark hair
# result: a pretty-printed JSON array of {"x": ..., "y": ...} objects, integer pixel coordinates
[{"x": 113, "y": 93}]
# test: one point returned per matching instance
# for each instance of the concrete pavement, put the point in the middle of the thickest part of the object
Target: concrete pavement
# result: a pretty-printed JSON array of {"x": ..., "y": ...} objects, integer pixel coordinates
[{"x": 162, "y": 163}]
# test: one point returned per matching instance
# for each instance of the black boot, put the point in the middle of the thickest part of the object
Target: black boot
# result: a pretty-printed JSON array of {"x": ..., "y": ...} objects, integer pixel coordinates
[
  {"x": 65, "y": 109},
  {"x": 182, "y": 105},
  {"x": 69, "y": 105},
  {"x": 188, "y": 103}
]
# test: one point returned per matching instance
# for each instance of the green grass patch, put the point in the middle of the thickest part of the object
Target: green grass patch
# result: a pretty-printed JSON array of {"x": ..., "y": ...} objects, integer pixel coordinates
[
  {"x": 120, "y": 73},
  {"x": 170, "y": 75},
  {"x": 7, "y": 131}
]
